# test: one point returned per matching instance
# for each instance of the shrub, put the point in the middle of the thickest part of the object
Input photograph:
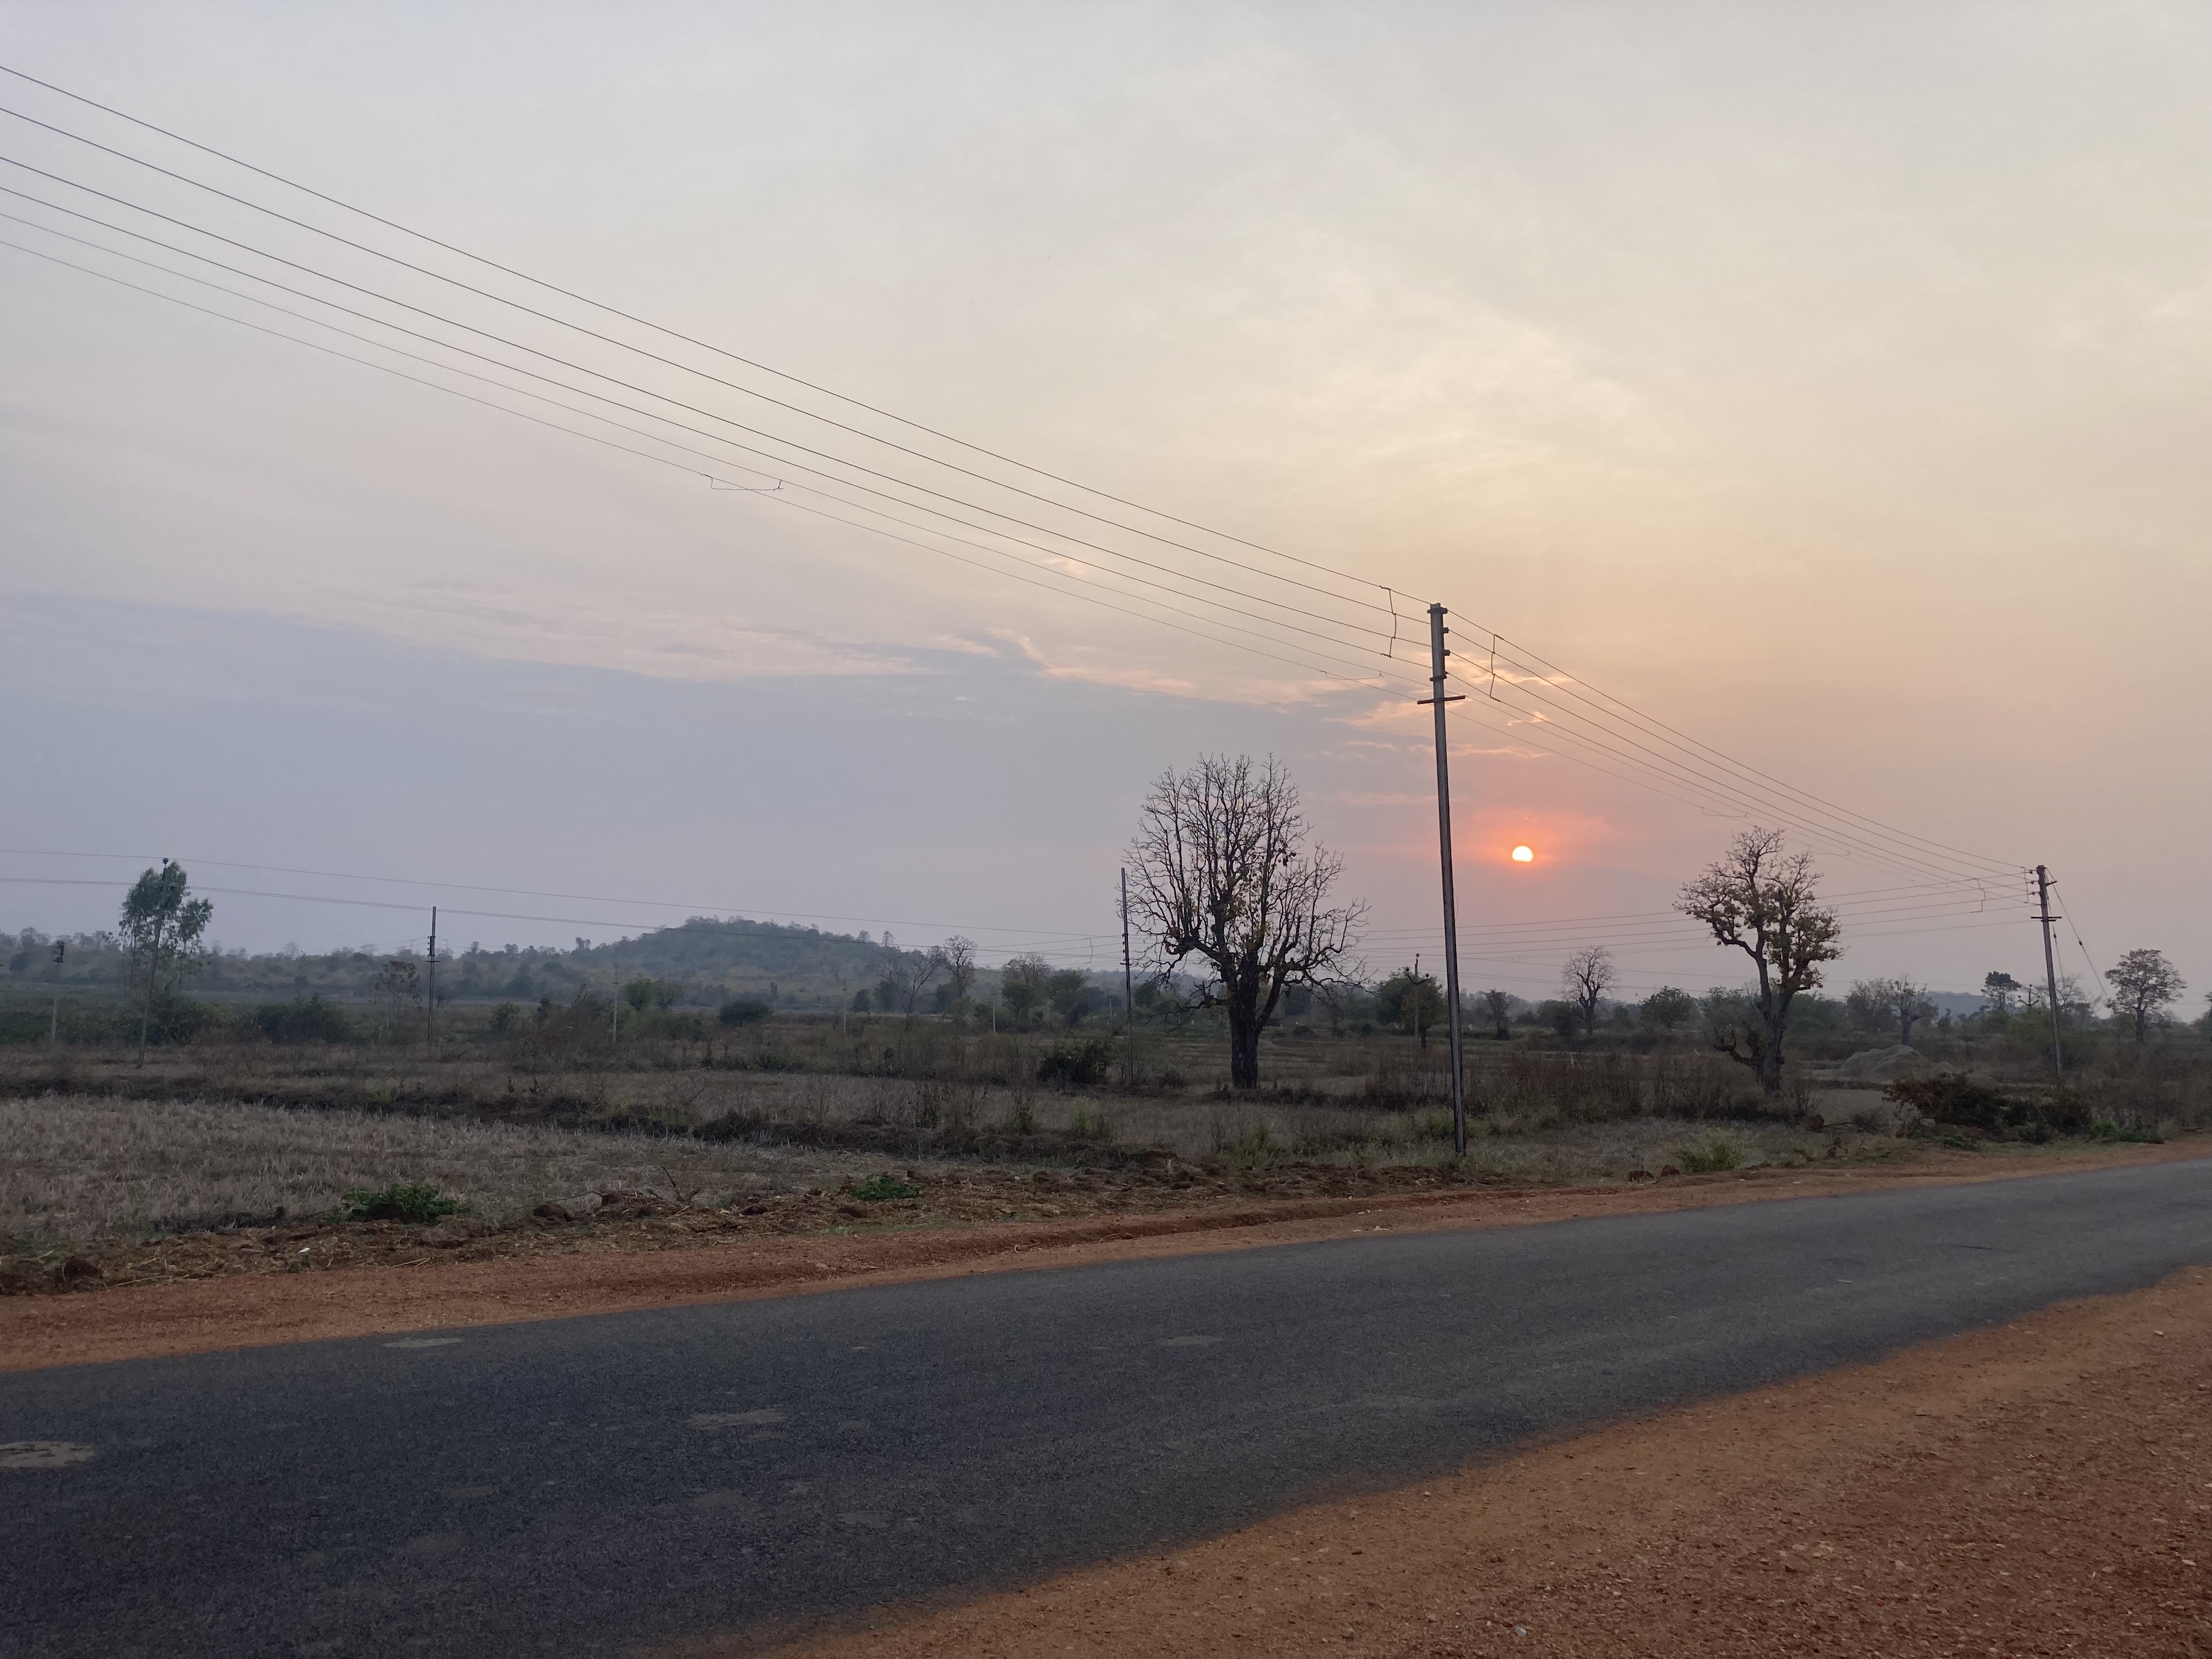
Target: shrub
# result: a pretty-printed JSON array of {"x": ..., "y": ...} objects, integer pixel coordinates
[
  {"x": 1710, "y": 1157},
  {"x": 303, "y": 1019},
  {"x": 417, "y": 1201},
  {"x": 1077, "y": 1065},
  {"x": 1954, "y": 1100},
  {"x": 879, "y": 1189},
  {"x": 744, "y": 1011},
  {"x": 2105, "y": 1129}
]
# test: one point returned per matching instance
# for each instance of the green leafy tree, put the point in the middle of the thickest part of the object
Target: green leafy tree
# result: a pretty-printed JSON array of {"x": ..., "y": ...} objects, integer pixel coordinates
[
  {"x": 1410, "y": 1001},
  {"x": 1762, "y": 899},
  {"x": 1069, "y": 995},
  {"x": 2144, "y": 985},
  {"x": 1025, "y": 986},
  {"x": 1498, "y": 1005},
  {"x": 162, "y": 924},
  {"x": 2002, "y": 990},
  {"x": 1669, "y": 1008}
]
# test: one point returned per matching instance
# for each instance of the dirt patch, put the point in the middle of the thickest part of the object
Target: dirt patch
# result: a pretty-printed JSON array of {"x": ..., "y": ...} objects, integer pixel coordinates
[
  {"x": 259, "y": 1285},
  {"x": 2042, "y": 1488}
]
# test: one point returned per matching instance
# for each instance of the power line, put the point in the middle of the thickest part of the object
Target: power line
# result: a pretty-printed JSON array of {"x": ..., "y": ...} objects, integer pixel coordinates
[
  {"x": 1736, "y": 788},
  {"x": 1310, "y": 666},
  {"x": 642, "y": 391},
  {"x": 656, "y": 327}
]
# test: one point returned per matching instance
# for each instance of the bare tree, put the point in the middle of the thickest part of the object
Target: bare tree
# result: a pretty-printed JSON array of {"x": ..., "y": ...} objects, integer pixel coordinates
[
  {"x": 1585, "y": 979},
  {"x": 958, "y": 955},
  {"x": 1223, "y": 868},
  {"x": 400, "y": 986},
  {"x": 1763, "y": 900},
  {"x": 2143, "y": 984},
  {"x": 1896, "y": 1002},
  {"x": 908, "y": 973}
]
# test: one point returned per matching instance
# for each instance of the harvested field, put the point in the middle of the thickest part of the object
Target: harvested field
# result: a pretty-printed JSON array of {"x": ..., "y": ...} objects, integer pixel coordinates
[
  {"x": 83, "y": 1168},
  {"x": 120, "y": 1190}
]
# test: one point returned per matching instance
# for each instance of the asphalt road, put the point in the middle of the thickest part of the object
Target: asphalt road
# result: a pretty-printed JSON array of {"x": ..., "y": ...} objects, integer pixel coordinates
[{"x": 592, "y": 1485}]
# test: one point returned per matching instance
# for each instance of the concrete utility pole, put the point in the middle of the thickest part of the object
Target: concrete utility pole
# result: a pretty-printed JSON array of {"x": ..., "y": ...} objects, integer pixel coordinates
[
  {"x": 430, "y": 1001},
  {"x": 2043, "y": 885},
  {"x": 1128, "y": 995},
  {"x": 1438, "y": 700},
  {"x": 54, "y": 1034}
]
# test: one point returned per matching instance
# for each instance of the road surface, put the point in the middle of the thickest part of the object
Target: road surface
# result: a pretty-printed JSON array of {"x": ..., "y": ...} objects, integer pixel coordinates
[{"x": 591, "y": 1486}]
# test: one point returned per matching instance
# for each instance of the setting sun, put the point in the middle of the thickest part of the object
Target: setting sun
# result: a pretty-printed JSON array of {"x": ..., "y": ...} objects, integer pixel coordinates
[{"x": 1524, "y": 855}]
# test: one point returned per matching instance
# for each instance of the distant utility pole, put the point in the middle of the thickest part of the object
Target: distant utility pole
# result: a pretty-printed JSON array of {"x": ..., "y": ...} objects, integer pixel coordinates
[
  {"x": 54, "y": 1035},
  {"x": 2043, "y": 885},
  {"x": 1128, "y": 994},
  {"x": 1438, "y": 700},
  {"x": 1420, "y": 1014},
  {"x": 430, "y": 1002}
]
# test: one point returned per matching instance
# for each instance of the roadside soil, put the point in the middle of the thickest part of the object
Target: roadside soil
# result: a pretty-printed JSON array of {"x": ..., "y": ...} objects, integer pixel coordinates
[
  {"x": 249, "y": 1286},
  {"x": 2042, "y": 1488}
]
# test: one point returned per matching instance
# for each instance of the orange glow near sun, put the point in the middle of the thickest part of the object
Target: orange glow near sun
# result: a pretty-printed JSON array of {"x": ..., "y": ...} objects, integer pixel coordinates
[{"x": 1524, "y": 855}]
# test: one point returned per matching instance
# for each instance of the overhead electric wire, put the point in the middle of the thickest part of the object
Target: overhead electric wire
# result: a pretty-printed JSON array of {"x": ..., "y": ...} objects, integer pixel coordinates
[
  {"x": 1360, "y": 581},
  {"x": 1076, "y": 592},
  {"x": 648, "y": 414},
  {"x": 1551, "y": 674},
  {"x": 1748, "y": 791},
  {"x": 1748, "y": 794},
  {"x": 642, "y": 391}
]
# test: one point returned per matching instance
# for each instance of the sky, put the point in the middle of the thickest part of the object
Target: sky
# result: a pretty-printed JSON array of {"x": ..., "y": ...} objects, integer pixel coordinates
[{"x": 1828, "y": 384}]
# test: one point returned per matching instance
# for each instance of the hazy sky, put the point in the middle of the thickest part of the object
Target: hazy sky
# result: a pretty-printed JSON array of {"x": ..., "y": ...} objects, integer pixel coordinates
[{"x": 1831, "y": 383}]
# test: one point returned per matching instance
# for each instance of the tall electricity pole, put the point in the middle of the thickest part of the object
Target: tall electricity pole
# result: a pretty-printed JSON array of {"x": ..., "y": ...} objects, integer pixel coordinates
[
  {"x": 430, "y": 1002},
  {"x": 2050, "y": 967},
  {"x": 1438, "y": 700},
  {"x": 1128, "y": 995}
]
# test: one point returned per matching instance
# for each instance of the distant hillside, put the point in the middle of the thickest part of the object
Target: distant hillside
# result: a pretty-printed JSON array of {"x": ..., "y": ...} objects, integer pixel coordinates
[{"x": 708, "y": 960}]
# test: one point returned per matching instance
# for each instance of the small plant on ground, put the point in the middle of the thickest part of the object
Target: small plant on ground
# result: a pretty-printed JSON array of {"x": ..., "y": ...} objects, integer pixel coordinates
[
  {"x": 1087, "y": 1125},
  {"x": 1076, "y": 1065},
  {"x": 882, "y": 1188},
  {"x": 417, "y": 1201},
  {"x": 1710, "y": 1157},
  {"x": 1256, "y": 1146},
  {"x": 2105, "y": 1129}
]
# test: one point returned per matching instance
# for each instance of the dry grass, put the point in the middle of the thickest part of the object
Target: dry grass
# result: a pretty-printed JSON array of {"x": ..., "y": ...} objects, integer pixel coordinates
[
  {"x": 82, "y": 1167},
  {"x": 85, "y": 1167}
]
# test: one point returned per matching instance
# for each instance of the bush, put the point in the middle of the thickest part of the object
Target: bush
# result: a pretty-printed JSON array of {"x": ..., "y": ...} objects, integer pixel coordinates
[
  {"x": 745, "y": 1010},
  {"x": 1955, "y": 1100},
  {"x": 1951, "y": 1097},
  {"x": 304, "y": 1019},
  {"x": 1077, "y": 1065},
  {"x": 417, "y": 1201},
  {"x": 879, "y": 1189},
  {"x": 2105, "y": 1129},
  {"x": 1710, "y": 1157}
]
